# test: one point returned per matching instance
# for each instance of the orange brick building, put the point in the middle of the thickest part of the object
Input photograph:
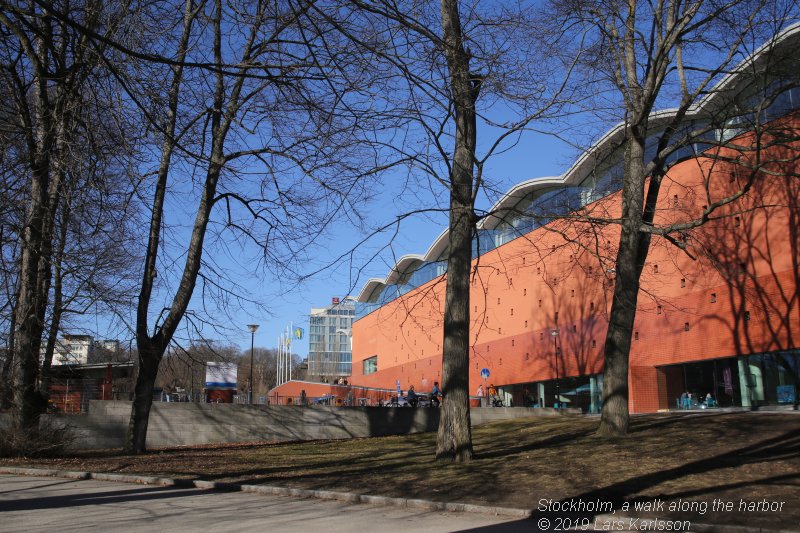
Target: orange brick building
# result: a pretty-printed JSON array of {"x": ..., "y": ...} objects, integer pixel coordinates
[
  {"x": 720, "y": 319},
  {"x": 738, "y": 297}
]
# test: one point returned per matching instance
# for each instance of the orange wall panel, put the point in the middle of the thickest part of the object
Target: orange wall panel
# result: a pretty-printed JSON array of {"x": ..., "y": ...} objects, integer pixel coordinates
[{"x": 733, "y": 291}]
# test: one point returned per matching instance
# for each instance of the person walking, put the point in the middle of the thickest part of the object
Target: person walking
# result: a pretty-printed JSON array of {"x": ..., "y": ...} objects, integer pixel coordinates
[
  {"x": 412, "y": 396},
  {"x": 436, "y": 392},
  {"x": 685, "y": 400}
]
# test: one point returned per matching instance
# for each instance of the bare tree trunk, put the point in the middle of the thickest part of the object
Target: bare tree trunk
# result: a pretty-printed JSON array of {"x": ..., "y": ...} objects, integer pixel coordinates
[
  {"x": 223, "y": 114},
  {"x": 454, "y": 440},
  {"x": 58, "y": 303},
  {"x": 31, "y": 396},
  {"x": 7, "y": 375},
  {"x": 632, "y": 252},
  {"x": 28, "y": 335},
  {"x": 149, "y": 359},
  {"x": 151, "y": 349}
]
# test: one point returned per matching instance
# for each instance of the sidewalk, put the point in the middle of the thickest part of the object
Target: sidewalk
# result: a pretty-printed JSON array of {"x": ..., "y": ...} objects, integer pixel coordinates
[
  {"x": 45, "y": 505},
  {"x": 526, "y": 519},
  {"x": 668, "y": 460}
]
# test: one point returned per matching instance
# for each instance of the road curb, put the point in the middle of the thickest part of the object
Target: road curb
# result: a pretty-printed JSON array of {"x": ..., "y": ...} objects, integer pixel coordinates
[{"x": 348, "y": 497}]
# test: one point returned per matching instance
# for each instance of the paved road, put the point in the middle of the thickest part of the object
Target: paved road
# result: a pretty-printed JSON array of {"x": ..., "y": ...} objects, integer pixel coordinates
[{"x": 60, "y": 505}]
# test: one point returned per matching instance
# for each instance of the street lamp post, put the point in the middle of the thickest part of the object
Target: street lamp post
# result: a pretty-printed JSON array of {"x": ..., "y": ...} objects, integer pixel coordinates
[
  {"x": 252, "y": 328},
  {"x": 349, "y": 333},
  {"x": 555, "y": 352}
]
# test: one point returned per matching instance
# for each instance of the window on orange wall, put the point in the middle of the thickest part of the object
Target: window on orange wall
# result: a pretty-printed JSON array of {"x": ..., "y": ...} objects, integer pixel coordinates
[{"x": 370, "y": 365}]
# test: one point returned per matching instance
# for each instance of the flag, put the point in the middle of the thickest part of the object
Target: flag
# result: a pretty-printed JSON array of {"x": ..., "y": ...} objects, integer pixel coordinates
[{"x": 298, "y": 333}]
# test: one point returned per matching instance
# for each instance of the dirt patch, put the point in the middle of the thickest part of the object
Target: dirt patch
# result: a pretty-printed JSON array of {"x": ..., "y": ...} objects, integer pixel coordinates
[{"x": 709, "y": 468}]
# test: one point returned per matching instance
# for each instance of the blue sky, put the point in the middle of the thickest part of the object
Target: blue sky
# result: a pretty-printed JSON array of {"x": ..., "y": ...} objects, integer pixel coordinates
[
  {"x": 537, "y": 155},
  {"x": 534, "y": 155},
  {"x": 284, "y": 301}
]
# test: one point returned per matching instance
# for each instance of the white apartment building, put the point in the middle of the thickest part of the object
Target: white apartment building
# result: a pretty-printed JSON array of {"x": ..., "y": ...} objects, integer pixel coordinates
[
  {"x": 78, "y": 349},
  {"x": 73, "y": 350}
]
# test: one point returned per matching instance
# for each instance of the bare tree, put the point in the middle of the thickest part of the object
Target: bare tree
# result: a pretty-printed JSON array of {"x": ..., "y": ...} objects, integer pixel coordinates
[
  {"x": 265, "y": 371},
  {"x": 639, "y": 56},
  {"x": 252, "y": 131},
  {"x": 12, "y": 183},
  {"x": 454, "y": 440},
  {"x": 185, "y": 368},
  {"x": 248, "y": 108},
  {"x": 94, "y": 253},
  {"x": 46, "y": 66},
  {"x": 454, "y": 70}
]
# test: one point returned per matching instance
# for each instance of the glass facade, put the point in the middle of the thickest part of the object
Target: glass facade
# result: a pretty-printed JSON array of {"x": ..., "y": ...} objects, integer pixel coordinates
[
  {"x": 745, "y": 381},
  {"x": 580, "y": 392},
  {"x": 329, "y": 341},
  {"x": 539, "y": 207},
  {"x": 769, "y": 379}
]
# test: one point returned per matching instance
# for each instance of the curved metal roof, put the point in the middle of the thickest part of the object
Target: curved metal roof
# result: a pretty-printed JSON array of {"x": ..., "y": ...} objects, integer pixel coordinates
[
  {"x": 407, "y": 263},
  {"x": 587, "y": 161}
]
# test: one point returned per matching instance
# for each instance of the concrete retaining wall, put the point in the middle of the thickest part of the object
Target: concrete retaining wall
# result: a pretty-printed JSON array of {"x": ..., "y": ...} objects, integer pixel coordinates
[{"x": 175, "y": 424}]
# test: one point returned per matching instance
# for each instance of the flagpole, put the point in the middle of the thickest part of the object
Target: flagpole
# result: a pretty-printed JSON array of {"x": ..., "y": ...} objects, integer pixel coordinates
[
  {"x": 291, "y": 334},
  {"x": 283, "y": 357},
  {"x": 278, "y": 363},
  {"x": 288, "y": 342}
]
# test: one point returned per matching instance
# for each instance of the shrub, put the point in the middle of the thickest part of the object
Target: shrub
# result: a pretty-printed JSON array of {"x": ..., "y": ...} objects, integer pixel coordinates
[{"x": 51, "y": 439}]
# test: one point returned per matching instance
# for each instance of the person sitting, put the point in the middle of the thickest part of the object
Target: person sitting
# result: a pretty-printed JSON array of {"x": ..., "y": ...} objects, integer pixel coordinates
[
  {"x": 710, "y": 402},
  {"x": 412, "y": 397},
  {"x": 527, "y": 398},
  {"x": 494, "y": 399}
]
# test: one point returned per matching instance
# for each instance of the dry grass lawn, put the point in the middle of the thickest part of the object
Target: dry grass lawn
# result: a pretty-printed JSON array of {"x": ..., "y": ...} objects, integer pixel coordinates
[{"x": 676, "y": 458}]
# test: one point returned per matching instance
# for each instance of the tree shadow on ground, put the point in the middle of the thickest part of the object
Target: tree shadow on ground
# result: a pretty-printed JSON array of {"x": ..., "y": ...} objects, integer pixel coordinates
[
  {"x": 552, "y": 442},
  {"x": 97, "y": 497},
  {"x": 779, "y": 448},
  {"x": 48, "y": 485}
]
